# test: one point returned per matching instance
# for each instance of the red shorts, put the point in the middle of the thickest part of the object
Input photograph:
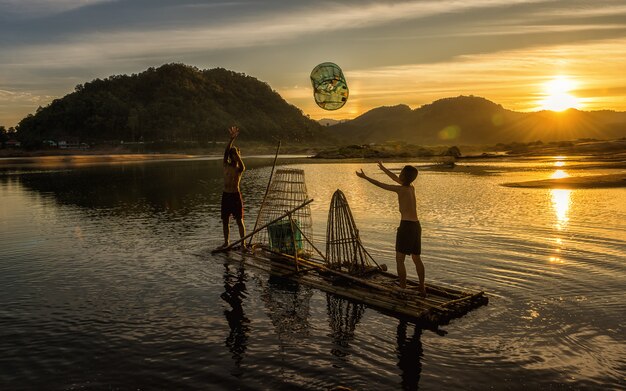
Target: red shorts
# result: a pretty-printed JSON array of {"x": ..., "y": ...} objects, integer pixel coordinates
[{"x": 232, "y": 204}]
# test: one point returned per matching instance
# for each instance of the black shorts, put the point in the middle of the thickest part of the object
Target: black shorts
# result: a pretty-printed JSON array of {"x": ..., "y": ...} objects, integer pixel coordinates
[
  {"x": 409, "y": 237},
  {"x": 232, "y": 204}
]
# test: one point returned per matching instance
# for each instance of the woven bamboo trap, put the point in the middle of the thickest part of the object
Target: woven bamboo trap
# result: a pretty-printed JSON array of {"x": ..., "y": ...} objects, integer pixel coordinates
[{"x": 286, "y": 192}]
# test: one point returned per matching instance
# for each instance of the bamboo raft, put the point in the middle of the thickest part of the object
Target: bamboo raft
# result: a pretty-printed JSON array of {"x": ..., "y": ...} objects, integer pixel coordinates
[{"x": 284, "y": 249}]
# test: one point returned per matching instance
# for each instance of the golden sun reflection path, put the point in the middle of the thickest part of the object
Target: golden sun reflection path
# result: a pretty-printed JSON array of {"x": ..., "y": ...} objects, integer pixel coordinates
[
  {"x": 561, "y": 203},
  {"x": 561, "y": 200}
]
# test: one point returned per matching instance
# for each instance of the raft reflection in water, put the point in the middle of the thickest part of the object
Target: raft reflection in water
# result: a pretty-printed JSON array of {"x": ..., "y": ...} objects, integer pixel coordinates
[
  {"x": 343, "y": 317},
  {"x": 288, "y": 306}
]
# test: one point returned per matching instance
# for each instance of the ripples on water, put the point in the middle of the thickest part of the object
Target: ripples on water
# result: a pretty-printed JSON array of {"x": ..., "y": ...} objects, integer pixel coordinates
[{"x": 107, "y": 282}]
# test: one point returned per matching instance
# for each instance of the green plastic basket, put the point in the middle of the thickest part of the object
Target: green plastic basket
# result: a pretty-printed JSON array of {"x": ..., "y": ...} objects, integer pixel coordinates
[{"x": 281, "y": 237}]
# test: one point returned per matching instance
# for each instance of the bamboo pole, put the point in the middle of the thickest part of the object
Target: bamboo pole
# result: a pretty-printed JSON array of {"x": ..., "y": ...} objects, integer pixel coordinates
[
  {"x": 415, "y": 310},
  {"x": 385, "y": 302},
  {"x": 267, "y": 189},
  {"x": 292, "y": 224},
  {"x": 372, "y": 258},
  {"x": 312, "y": 245},
  {"x": 432, "y": 300},
  {"x": 453, "y": 293},
  {"x": 380, "y": 302},
  {"x": 361, "y": 281},
  {"x": 227, "y": 248}
]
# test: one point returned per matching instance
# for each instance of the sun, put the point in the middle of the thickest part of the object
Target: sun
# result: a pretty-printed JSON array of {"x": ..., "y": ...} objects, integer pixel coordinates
[{"x": 557, "y": 96}]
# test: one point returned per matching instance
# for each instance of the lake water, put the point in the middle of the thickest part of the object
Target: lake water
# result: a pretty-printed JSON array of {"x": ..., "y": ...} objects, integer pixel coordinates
[{"x": 107, "y": 282}]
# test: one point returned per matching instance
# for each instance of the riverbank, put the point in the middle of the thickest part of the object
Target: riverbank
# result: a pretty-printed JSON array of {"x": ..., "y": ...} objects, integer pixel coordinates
[
  {"x": 83, "y": 159},
  {"x": 582, "y": 182},
  {"x": 599, "y": 154},
  {"x": 387, "y": 151},
  {"x": 248, "y": 148}
]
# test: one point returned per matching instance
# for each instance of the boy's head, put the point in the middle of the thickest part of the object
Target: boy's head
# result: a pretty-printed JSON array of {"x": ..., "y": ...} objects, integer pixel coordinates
[{"x": 408, "y": 175}]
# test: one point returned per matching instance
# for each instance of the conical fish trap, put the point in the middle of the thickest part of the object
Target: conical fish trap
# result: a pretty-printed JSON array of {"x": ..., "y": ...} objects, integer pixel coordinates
[
  {"x": 343, "y": 245},
  {"x": 287, "y": 191}
]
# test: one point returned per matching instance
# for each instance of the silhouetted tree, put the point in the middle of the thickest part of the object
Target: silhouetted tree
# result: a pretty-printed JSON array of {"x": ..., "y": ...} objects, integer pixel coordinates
[
  {"x": 3, "y": 135},
  {"x": 174, "y": 102}
]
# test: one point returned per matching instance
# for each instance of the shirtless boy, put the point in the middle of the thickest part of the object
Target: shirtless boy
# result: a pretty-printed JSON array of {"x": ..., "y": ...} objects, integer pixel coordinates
[
  {"x": 232, "y": 203},
  {"x": 409, "y": 235}
]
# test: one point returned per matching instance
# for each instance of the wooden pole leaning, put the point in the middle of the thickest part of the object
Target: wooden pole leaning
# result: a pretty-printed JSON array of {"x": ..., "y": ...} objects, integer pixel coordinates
[
  {"x": 293, "y": 240},
  {"x": 227, "y": 248},
  {"x": 312, "y": 245},
  {"x": 267, "y": 189}
]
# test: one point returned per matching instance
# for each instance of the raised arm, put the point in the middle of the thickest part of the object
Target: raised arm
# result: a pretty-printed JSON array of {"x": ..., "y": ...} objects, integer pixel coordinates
[
  {"x": 385, "y": 186},
  {"x": 390, "y": 174},
  {"x": 240, "y": 166},
  {"x": 234, "y": 132}
]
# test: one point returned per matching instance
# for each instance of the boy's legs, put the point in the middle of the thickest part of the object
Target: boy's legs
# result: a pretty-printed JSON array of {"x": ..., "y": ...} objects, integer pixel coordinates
[
  {"x": 225, "y": 214},
  {"x": 226, "y": 229},
  {"x": 242, "y": 230},
  {"x": 419, "y": 268},
  {"x": 401, "y": 269}
]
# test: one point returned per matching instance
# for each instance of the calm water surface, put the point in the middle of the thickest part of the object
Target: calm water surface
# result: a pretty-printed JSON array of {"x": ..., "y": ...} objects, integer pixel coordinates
[{"x": 107, "y": 282}]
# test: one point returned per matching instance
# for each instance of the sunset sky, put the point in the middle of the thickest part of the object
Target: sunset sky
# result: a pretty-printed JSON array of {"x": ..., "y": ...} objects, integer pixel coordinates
[{"x": 526, "y": 55}]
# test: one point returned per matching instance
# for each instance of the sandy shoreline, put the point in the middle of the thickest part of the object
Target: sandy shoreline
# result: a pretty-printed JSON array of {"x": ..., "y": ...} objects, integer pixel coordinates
[{"x": 581, "y": 182}]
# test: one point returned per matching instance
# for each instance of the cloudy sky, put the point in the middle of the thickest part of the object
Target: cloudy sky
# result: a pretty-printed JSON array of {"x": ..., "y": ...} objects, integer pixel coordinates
[{"x": 523, "y": 54}]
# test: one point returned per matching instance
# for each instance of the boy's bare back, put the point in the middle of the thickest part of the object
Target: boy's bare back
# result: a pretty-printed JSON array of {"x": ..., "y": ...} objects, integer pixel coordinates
[{"x": 406, "y": 202}]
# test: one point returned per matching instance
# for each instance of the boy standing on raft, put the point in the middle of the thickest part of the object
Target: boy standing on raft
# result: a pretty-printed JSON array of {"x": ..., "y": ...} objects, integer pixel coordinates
[
  {"x": 232, "y": 203},
  {"x": 409, "y": 235}
]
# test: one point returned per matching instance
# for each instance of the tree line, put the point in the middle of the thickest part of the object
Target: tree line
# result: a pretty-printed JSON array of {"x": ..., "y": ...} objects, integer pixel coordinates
[{"x": 172, "y": 103}]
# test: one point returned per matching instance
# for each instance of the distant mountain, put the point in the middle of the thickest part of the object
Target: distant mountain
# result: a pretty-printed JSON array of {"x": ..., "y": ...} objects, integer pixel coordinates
[
  {"x": 475, "y": 120},
  {"x": 174, "y": 102},
  {"x": 330, "y": 121}
]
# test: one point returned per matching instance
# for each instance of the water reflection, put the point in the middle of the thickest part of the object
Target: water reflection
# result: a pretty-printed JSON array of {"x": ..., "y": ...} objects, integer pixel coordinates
[
  {"x": 174, "y": 186},
  {"x": 558, "y": 247},
  {"x": 558, "y": 174},
  {"x": 497, "y": 247},
  {"x": 560, "y": 198},
  {"x": 288, "y": 306},
  {"x": 410, "y": 353},
  {"x": 234, "y": 293},
  {"x": 343, "y": 316},
  {"x": 561, "y": 201}
]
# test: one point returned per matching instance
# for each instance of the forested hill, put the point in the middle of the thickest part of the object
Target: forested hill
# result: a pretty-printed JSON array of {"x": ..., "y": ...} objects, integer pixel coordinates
[
  {"x": 174, "y": 102},
  {"x": 475, "y": 120}
]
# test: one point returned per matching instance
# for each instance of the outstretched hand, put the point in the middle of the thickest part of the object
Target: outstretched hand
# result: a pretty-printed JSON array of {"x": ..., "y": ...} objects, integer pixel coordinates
[
  {"x": 361, "y": 174},
  {"x": 234, "y": 132}
]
